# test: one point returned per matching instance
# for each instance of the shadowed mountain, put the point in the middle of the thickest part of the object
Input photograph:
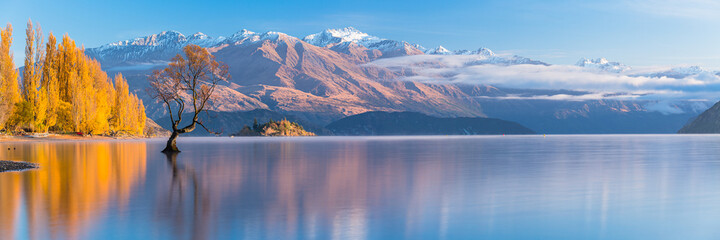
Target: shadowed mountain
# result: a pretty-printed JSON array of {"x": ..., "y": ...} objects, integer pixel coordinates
[
  {"x": 411, "y": 123},
  {"x": 706, "y": 122},
  {"x": 592, "y": 116}
]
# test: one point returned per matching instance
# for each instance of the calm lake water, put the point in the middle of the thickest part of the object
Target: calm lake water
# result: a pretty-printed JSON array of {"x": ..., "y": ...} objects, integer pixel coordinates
[{"x": 492, "y": 187}]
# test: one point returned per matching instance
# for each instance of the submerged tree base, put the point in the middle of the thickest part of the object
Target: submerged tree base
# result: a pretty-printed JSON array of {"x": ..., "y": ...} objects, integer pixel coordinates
[
  {"x": 6, "y": 166},
  {"x": 170, "y": 150},
  {"x": 171, "y": 146}
]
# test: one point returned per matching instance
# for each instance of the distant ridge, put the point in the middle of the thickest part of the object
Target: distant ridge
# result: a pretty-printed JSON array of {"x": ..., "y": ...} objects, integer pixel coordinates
[
  {"x": 412, "y": 123},
  {"x": 232, "y": 122}
]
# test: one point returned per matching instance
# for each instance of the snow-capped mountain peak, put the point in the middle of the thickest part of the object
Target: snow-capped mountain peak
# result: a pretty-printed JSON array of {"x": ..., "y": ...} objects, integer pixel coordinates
[
  {"x": 240, "y": 35},
  {"x": 587, "y": 62},
  {"x": 602, "y": 64},
  {"x": 680, "y": 72},
  {"x": 152, "y": 40},
  {"x": 691, "y": 70},
  {"x": 199, "y": 35},
  {"x": 440, "y": 50},
  {"x": 484, "y": 52},
  {"x": 334, "y": 36},
  {"x": 348, "y": 34},
  {"x": 481, "y": 51}
]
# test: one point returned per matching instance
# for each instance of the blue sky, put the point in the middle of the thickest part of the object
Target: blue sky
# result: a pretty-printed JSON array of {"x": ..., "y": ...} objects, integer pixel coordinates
[{"x": 637, "y": 33}]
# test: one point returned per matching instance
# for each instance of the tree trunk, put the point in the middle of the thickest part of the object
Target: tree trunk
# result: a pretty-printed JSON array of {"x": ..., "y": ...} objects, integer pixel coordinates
[{"x": 171, "y": 145}]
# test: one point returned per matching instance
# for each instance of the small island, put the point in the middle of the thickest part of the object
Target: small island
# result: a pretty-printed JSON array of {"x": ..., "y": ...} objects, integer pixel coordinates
[
  {"x": 6, "y": 166},
  {"x": 282, "y": 128}
]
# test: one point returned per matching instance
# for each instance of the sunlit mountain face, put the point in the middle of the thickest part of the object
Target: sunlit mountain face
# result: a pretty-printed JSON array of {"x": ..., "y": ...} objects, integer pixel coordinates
[{"x": 336, "y": 73}]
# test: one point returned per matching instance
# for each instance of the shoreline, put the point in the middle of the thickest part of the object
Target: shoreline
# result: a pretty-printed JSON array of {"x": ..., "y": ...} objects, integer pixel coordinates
[
  {"x": 13, "y": 166},
  {"x": 63, "y": 137}
]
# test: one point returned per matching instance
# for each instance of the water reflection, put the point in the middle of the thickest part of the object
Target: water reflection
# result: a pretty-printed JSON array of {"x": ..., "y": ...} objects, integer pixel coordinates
[
  {"x": 367, "y": 188},
  {"x": 75, "y": 186}
]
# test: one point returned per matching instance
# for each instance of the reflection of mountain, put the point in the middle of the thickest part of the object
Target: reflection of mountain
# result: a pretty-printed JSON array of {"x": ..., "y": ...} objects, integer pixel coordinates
[
  {"x": 354, "y": 188},
  {"x": 74, "y": 186}
]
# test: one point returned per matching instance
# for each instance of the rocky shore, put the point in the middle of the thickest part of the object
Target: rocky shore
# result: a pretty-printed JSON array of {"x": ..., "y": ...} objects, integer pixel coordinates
[{"x": 16, "y": 166}]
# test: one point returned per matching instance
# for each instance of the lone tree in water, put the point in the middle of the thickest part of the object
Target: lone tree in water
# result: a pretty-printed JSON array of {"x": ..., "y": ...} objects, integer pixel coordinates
[{"x": 187, "y": 80}]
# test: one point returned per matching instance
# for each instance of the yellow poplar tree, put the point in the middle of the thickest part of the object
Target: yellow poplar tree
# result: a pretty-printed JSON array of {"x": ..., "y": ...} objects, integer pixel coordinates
[
  {"x": 103, "y": 99},
  {"x": 120, "y": 109},
  {"x": 32, "y": 108},
  {"x": 66, "y": 74},
  {"x": 141, "y": 117},
  {"x": 79, "y": 82},
  {"x": 9, "y": 89},
  {"x": 49, "y": 84}
]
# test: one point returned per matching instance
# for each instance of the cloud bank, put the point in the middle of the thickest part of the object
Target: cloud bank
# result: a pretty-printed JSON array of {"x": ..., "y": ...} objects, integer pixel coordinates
[{"x": 653, "y": 83}]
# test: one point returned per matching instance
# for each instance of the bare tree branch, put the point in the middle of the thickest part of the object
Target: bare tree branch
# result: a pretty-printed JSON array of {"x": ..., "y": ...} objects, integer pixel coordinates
[{"x": 195, "y": 76}]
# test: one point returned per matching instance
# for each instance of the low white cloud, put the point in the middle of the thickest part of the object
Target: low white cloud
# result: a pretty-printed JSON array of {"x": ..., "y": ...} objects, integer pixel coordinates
[
  {"x": 664, "y": 107},
  {"x": 636, "y": 83},
  {"x": 567, "y": 97}
]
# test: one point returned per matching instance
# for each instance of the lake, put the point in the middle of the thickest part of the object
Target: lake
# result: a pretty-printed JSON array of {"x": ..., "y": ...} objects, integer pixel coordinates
[{"x": 479, "y": 187}]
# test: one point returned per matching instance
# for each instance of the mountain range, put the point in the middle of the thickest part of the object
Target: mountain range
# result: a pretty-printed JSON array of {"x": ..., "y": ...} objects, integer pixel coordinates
[{"x": 330, "y": 75}]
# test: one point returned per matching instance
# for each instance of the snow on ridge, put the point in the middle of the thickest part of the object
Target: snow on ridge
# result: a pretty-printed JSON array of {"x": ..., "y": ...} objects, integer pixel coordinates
[
  {"x": 691, "y": 70},
  {"x": 439, "y": 50},
  {"x": 602, "y": 64},
  {"x": 168, "y": 43},
  {"x": 682, "y": 72},
  {"x": 152, "y": 40},
  {"x": 335, "y": 36},
  {"x": 174, "y": 39},
  {"x": 327, "y": 38}
]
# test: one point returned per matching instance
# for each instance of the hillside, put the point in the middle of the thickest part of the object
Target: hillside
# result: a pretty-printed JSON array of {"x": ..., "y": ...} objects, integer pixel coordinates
[
  {"x": 282, "y": 128},
  {"x": 706, "y": 122},
  {"x": 410, "y": 123},
  {"x": 152, "y": 129}
]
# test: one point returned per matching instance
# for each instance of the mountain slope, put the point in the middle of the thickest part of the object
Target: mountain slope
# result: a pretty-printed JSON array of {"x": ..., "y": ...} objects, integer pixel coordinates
[
  {"x": 707, "y": 122},
  {"x": 283, "y": 73}
]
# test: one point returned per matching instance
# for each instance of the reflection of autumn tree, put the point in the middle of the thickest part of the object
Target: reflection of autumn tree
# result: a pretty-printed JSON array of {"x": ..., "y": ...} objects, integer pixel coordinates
[
  {"x": 10, "y": 199},
  {"x": 76, "y": 184},
  {"x": 271, "y": 190}
]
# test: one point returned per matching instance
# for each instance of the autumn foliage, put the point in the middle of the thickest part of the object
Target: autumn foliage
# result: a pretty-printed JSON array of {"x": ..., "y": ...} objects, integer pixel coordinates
[{"x": 63, "y": 90}]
